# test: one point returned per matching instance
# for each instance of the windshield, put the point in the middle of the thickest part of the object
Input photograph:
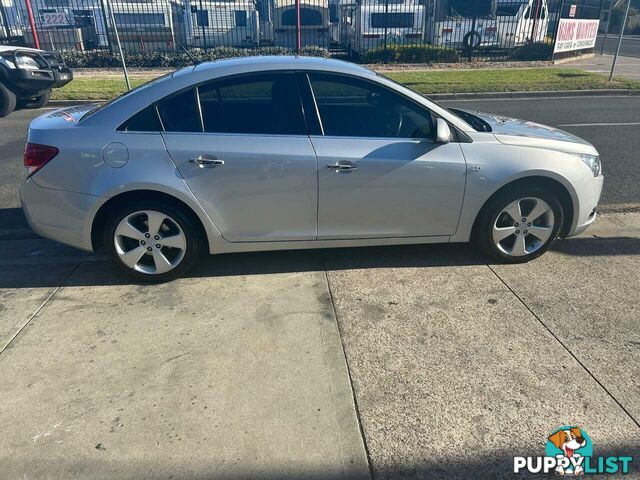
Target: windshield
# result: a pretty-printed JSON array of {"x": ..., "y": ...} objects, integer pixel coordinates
[
  {"x": 470, "y": 8},
  {"x": 477, "y": 123},
  {"x": 508, "y": 9},
  {"x": 126, "y": 94}
]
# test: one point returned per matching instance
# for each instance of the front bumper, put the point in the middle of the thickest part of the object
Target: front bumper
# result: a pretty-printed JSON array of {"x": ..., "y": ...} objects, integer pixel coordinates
[
  {"x": 585, "y": 208},
  {"x": 65, "y": 217},
  {"x": 41, "y": 79}
]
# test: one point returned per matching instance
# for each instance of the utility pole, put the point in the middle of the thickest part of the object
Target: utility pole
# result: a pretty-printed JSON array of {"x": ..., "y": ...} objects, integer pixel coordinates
[
  {"x": 606, "y": 28},
  {"x": 624, "y": 24},
  {"x": 106, "y": 25},
  {"x": 115, "y": 31},
  {"x": 298, "y": 29}
]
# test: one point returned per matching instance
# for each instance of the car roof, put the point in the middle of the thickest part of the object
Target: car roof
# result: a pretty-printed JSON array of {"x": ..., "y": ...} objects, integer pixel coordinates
[
  {"x": 11, "y": 48},
  {"x": 285, "y": 62}
]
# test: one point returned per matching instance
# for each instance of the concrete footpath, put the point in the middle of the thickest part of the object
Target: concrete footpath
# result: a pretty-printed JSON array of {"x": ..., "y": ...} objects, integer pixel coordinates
[
  {"x": 626, "y": 67},
  {"x": 230, "y": 375},
  {"x": 459, "y": 365},
  {"x": 238, "y": 371}
]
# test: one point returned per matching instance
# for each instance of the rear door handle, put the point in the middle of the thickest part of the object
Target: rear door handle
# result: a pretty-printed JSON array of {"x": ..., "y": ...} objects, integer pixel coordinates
[
  {"x": 206, "y": 162},
  {"x": 342, "y": 167}
]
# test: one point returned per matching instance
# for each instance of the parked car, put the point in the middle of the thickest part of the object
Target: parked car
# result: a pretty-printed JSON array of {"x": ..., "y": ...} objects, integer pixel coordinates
[
  {"x": 275, "y": 153},
  {"x": 27, "y": 76}
]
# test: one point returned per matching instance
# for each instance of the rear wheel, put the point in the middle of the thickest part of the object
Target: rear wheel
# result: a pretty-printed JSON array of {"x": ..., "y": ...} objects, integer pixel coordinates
[
  {"x": 152, "y": 241},
  {"x": 519, "y": 225},
  {"x": 8, "y": 100}
]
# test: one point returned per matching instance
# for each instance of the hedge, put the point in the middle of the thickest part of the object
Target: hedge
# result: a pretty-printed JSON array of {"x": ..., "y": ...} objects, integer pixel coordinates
[
  {"x": 533, "y": 51},
  {"x": 411, "y": 54},
  {"x": 174, "y": 59}
]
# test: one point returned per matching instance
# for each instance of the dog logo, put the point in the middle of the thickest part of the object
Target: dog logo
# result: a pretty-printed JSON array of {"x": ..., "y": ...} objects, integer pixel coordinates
[
  {"x": 572, "y": 443},
  {"x": 569, "y": 451}
]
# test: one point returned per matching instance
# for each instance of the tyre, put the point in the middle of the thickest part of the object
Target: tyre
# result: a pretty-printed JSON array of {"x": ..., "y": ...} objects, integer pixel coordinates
[
  {"x": 40, "y": 101},
  {"x": 519, "y": 225},
  {"x": 8, "y": 100},
  {"x": 152, "y": 241}
]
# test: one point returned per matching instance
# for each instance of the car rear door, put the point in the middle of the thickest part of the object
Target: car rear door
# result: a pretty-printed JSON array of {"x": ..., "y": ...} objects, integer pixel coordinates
[
  {"x": 242, "y": 147},
  {"x": 380, "y": 173}
]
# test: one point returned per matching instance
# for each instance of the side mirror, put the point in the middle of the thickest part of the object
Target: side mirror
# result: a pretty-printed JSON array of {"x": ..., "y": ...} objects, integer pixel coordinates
[{"x": 443, "y": 132}]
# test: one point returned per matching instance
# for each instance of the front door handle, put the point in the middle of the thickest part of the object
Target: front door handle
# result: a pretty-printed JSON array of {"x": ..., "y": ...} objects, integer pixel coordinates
[
  {"x": 206, "y": 162},
  {"x": 342, "y": 167}
]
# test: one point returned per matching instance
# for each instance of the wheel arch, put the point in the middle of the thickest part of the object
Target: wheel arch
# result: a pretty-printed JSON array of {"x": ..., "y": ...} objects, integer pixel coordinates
[
  {"x": 102, "y": 215},
  {"x": 539, "y": 181}
]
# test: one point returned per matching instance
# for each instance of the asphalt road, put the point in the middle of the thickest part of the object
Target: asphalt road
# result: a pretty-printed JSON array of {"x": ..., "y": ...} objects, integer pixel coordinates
[
  {"x": 612, "y": 124},
  {"x": 630, "y": 45}
]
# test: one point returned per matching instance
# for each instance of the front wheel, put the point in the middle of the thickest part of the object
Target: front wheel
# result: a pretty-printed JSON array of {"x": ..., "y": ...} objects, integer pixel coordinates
[
  {"x": 8, "y": 100},
  {"x": 152, "y": 241},
  {"x": 40, "y": 101},
  {"x": 519, "y": 225}
]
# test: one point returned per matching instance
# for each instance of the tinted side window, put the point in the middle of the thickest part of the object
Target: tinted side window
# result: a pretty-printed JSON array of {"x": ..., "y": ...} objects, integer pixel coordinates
[
  {"x": 354, "y": 108},
  {"x": 144, "y": 121},
  {"x": 253, "y": 104},
  {"x": 179, "y": 113}
]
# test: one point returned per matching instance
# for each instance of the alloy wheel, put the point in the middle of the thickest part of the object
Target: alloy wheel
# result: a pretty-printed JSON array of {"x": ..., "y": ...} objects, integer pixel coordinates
[
  {"x": 150, "y": 242},
  {"x": 523, "y": 226}
]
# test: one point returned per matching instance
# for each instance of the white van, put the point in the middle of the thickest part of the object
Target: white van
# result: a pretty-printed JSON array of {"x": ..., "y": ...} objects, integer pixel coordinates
[
  {"x": 222, "y": 23},
  {"x": 521, "y": 21},
  {"x": 461, "y": 24},
  {"x": 371, "y": 23},
  {"x": 314, "y": 23}
]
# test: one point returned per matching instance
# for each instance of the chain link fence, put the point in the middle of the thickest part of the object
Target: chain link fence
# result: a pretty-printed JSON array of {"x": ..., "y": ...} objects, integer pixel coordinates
[{"x": 410, "y": 31}]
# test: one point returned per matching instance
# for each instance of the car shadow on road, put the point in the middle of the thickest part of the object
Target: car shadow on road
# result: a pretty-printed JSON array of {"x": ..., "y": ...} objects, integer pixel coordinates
[
  {"x": 496, "y": 465},
  {"x": 92, "y": 270},
  {"x": 96, "y": 271},
  {"x": 266, "y": 263}
]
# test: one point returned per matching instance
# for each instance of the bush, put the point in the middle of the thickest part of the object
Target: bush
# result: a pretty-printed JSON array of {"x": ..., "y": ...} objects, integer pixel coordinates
[
  {"x": 173, "y": 58},
  {"x": 411, "y": 54},
  {"x": 533, "y": 51}
]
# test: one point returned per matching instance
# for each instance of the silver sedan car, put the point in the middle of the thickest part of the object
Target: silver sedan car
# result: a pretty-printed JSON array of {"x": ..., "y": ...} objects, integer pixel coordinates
[{"x": 289, "y": 153}]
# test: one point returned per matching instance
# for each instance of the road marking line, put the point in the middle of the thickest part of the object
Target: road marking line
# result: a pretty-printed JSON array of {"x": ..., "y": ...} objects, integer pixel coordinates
[
  {"x": 622, "y": 124},
  {"x": 623, "y": 93}
]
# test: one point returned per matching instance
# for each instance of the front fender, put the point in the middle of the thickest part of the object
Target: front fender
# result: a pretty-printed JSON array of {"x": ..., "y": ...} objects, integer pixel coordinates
[{"x": 492, "y": 167}]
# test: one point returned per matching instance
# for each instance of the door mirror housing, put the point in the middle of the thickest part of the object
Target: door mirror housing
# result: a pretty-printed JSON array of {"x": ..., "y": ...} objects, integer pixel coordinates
[{"x": 443, "y": 132}]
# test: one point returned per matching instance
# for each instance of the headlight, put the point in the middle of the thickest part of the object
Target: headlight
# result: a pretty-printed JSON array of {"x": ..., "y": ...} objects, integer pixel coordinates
[
  {"x": 26, "y": 62},
  {"x": 593, "y": 162}
]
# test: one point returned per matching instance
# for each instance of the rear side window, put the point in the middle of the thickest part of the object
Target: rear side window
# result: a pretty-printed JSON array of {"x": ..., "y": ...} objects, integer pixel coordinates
[
  {"x": 179, "y": 113},
  {"x": 253, "y": 104},
  {"x": 144, "y": 121}
]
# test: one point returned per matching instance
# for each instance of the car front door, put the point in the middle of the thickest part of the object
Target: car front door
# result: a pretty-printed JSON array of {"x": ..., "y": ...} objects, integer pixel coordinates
[
  {"x": 242, "y": 147},
  {"x": 380, "y": 172}
]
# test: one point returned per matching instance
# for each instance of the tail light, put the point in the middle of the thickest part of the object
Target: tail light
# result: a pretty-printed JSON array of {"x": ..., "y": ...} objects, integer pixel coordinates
[
  {"x": 447, "y": 30},
  {"x": 37, "y": 156},
  {"x": 490, "y": 29}
]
